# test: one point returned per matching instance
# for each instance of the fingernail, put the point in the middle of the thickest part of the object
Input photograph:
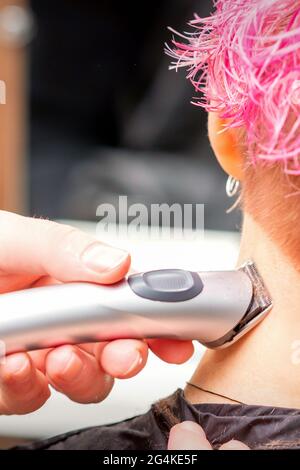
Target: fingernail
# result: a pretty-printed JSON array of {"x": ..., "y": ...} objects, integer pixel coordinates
[
  {"x": 98, "y": 257},
  {"x": 70, "y": 365},
  {"x": 135, "y": 360},
  {"x": 16, "y": 364}
]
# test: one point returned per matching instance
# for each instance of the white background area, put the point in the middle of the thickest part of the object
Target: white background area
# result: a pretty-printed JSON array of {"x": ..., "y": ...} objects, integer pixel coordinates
[{"x": 213, "y": 251}]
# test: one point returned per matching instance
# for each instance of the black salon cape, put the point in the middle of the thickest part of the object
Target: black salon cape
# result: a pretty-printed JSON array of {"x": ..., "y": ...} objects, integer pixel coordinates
[{"x": 257, "y": 426}]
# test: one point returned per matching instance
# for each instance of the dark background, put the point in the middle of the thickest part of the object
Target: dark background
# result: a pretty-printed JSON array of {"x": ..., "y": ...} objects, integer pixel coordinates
[{"x": 109, "y": 118}]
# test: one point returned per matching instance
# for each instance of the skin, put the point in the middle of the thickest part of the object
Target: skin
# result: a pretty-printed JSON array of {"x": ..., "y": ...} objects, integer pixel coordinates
[
  {"x": 265, "y": 357},
  {"x": 36, "y": 252},
  {"x": 190, "y": 436},
  {"x": 225, "y": 146},
  {"x": 241, "y": 364},
  {"x": 268, "y": 356}
]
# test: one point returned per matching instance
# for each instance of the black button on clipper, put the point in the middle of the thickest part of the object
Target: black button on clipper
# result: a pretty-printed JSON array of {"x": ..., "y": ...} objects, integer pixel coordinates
[{"x": 166, "y": 285}]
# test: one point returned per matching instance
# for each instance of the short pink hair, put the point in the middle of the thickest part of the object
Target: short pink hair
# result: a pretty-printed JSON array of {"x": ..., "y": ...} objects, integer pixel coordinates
[{"x": 244, "y": 60}]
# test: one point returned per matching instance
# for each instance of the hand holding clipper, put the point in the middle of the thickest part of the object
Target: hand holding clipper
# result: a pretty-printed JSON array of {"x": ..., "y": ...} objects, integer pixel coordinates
[{"x": 215, "y": 308}]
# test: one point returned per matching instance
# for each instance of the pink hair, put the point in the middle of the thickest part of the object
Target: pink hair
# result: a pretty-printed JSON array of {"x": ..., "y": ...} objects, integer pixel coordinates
[{"x": 244, "y": 60}]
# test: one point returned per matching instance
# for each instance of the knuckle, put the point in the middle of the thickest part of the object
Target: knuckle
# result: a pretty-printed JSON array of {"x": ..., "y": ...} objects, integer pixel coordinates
[{"x": 67, "y": 239}]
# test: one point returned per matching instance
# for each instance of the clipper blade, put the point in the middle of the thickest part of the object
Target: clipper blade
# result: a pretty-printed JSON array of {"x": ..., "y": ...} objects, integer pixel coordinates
[
  {"x": 261, "y": 300},
  {"x": 258, "y": 309},
  {"x": 260, "y": 291}
]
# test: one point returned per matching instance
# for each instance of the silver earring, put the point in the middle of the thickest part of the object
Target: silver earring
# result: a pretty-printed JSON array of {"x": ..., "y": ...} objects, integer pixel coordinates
[
  {"x": 232, "y": 186},
  {"x": 232, "y": 189}
]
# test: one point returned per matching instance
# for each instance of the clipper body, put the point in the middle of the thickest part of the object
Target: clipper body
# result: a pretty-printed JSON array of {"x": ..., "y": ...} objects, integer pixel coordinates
[{"x": 215, "y": 308}]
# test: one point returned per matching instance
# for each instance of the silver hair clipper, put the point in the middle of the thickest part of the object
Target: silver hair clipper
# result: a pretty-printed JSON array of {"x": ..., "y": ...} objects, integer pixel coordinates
[{"x": 215, "y": 308}]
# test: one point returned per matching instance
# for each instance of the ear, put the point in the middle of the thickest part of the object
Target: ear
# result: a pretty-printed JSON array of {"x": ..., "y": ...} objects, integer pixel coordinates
[{"x": 225, "y": 146}]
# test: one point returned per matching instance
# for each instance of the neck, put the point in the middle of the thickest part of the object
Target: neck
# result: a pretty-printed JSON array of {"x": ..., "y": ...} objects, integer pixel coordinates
[{"x": 264, "y": 366}]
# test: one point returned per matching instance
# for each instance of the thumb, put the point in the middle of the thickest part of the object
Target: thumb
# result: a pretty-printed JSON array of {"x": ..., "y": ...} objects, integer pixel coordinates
[
  {"x": 35, "y": 247},
  {"x": 188, "y": 436}
]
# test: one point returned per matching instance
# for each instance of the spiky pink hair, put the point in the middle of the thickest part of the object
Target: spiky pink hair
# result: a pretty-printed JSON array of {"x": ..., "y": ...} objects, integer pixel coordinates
[{"x": 244, "y": 60}]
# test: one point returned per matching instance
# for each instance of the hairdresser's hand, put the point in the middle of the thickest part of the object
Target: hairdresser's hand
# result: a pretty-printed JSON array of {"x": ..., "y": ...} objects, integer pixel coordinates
[
  {"x": 190, "y": 436},
  {"x": 36, "y": 252}
]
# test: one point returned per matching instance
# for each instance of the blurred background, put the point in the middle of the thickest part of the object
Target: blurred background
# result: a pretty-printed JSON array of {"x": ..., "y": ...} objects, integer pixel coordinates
[
  {"x": 89, "y": 111},
  {"x": 92, "y": 111}
]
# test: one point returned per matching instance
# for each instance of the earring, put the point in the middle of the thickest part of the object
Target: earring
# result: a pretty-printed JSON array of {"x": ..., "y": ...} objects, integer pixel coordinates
[
  {"x": 232, "y": 189},
  {"x": 232, "y": 186}
]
